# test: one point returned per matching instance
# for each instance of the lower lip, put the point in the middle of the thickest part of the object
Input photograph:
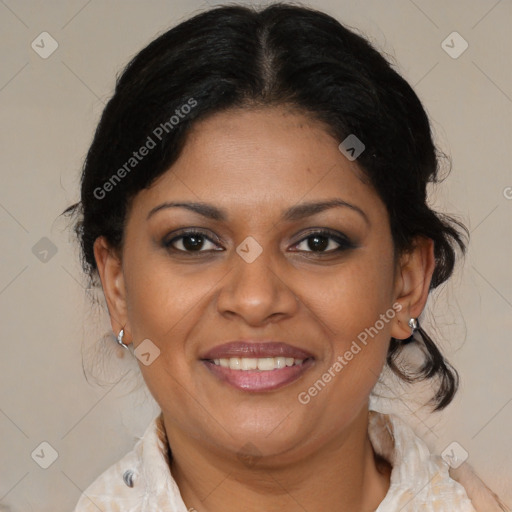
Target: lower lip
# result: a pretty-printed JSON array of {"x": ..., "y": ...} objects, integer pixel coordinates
[{"x": 256, "y": 380}]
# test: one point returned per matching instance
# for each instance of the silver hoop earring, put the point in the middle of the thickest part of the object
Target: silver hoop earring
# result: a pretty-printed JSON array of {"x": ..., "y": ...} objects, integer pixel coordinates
[
  {"x": 413, "y": 324},
  {"x": 120, "y": 338}
]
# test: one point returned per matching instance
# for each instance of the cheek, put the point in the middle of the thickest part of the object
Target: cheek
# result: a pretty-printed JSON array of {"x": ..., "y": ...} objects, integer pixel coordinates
[
  {"x": 163, "y": 305},
  {"x": 353, "y": 297},
  {"x": 158, "y": 297},
  {"x": 160, "y": 307},
  {"x": 355, "y": 306}
]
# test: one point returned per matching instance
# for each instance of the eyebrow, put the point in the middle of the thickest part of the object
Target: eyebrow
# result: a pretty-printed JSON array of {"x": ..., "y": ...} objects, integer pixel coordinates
[{"x": 294, "y": 213}]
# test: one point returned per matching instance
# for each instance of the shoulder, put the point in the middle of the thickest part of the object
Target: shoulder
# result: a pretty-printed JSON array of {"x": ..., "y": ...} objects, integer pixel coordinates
[
  {"x": 482, "y": 497},
  {"x": 126, "y": 484},
  {"x": 420, "y": 477},
  {"x": 113, "y": 484}
]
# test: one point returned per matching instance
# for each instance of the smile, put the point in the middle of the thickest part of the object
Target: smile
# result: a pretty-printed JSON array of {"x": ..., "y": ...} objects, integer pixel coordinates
[
  {"x": 263, "y": 364},
  {"x": 258, "y": 374}
]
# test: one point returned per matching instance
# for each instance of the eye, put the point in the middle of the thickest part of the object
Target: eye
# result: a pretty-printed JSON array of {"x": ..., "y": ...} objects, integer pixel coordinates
[
  {"x": 324, "y": 241},
  {"x": 191, "y": 241}
]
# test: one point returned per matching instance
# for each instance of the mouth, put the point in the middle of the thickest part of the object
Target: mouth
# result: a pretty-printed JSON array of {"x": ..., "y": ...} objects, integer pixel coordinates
[{"x": 257, "y": 366}]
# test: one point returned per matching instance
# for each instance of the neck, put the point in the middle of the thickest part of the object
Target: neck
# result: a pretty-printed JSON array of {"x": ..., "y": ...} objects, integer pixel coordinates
[{"x": 343, "y": 474}]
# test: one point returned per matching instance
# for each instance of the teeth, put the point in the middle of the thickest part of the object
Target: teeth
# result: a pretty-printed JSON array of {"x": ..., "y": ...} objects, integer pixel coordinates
[
  {"x": 280, "y": 362},
  {"x": 266, "y": 363},
  {"x": 248, "y": 364},
  {"x": 234, "y": 363},
  {"x": 262, "y": 363}
]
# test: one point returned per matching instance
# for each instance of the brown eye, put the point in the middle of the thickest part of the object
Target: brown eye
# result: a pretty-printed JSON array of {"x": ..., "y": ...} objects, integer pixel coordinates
[
  {"x": 191, "y": 241},
  {"x": 318, "y": 242},
  {"x": 324, "y": 242}
]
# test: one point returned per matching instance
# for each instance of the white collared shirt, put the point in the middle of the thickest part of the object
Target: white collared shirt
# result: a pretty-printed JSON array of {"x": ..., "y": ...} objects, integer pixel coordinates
[{"x": 420, "y": 481}]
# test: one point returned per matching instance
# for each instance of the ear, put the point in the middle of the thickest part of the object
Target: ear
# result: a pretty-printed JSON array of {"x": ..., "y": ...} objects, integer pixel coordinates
[
  {"x": 412, "y": 284},
  {"x": 112, "y": 280}
]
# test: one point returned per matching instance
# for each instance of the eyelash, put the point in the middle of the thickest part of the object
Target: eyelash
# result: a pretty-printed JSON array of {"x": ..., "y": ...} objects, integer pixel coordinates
[{"x": 343, "y": 242}]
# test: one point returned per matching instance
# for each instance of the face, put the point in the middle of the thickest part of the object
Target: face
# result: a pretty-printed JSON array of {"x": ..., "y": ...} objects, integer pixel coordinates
[{"x": 262, "y": 236}]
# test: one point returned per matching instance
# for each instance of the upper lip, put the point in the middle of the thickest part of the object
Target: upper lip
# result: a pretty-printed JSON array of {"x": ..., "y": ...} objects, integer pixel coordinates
[{"x": 256, "y": 349}]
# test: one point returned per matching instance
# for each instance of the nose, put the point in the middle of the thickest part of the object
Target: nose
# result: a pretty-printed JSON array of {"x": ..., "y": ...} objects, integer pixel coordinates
[{"x": 257, "y": 292}]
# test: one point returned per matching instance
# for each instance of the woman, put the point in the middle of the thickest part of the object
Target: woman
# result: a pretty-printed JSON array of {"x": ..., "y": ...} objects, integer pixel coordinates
[{"x": 254, "y": 204}]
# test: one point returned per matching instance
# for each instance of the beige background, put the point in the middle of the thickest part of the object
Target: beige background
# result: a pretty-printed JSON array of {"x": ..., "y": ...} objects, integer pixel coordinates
[{"x": 49, "y": 108}]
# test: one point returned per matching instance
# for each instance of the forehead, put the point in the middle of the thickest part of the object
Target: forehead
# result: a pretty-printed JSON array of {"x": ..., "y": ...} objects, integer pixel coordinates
[{"x": 265, "y": 158}]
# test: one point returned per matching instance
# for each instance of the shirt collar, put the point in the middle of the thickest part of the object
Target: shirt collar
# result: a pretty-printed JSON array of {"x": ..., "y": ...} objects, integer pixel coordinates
[{"x": 418, "y": 478}]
